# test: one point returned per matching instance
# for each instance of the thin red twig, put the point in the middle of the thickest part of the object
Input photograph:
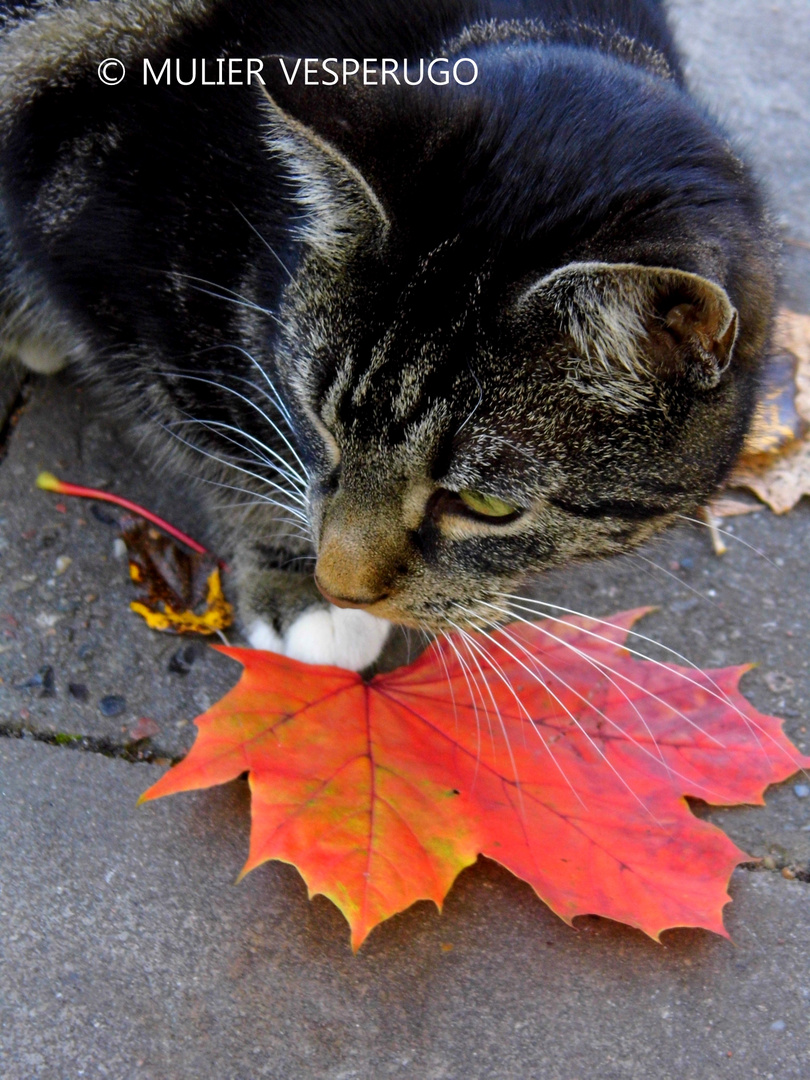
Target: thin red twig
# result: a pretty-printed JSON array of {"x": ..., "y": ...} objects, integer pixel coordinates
[{"x": 48, "y": 482}]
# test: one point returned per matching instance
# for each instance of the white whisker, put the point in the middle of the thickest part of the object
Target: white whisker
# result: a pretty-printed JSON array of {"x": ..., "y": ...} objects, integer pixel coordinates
[
  {"x": 272, "y": 251},
  {"x": 602, "y": 668},
  {"x": 731, "y": 536},
  {"x": 669, "y": 574},
  {"x": 716, "y": 692},
  {"x": 473, "y": 645},
  {"x": 607, "y": 670},
  {"x": 242, "y": 397},
  {"x": 238, "y": 468},
  {"x": 217, "y": 425},
  {"x": 471, "y": 681},
  {"x": 595, "y": 746}
]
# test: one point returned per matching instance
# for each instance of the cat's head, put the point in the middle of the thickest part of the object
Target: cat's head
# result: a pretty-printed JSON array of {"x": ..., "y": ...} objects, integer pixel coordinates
[{"x": 488, "y": 389}]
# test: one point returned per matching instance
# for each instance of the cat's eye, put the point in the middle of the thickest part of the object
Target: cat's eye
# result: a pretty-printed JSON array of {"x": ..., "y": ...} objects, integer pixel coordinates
[{"x": 486, "y": 505}]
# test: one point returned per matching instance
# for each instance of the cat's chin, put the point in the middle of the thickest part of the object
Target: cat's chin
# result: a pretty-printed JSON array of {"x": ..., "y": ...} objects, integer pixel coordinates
[{"x": 344, "y": 637}]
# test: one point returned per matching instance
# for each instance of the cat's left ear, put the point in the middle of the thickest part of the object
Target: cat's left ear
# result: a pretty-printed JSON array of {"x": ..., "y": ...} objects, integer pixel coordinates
[
  {"x": 640, "y": 322},
  {"x": 310, "y": 128}
]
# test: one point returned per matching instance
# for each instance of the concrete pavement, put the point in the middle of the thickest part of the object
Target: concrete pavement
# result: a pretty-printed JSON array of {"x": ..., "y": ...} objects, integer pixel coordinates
[{"x": 126, "y": 951}]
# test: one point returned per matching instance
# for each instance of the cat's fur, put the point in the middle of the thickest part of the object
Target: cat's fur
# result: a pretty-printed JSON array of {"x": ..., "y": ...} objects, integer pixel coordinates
[{"x": 554, "y": 286}]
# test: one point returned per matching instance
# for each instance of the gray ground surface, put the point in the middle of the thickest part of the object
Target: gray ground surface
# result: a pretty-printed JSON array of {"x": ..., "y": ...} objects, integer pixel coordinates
[{"x": 126, "y": 951}]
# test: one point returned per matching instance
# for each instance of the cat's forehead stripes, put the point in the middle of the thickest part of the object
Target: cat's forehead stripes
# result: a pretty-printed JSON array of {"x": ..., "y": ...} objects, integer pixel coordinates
[{"x": 417, "y": 357}]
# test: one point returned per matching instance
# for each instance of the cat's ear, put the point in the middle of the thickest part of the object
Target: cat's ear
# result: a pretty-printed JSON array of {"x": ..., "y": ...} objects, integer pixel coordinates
[
  {"x": 634, "y": 324},
  {"x": 307, "y": 125}
]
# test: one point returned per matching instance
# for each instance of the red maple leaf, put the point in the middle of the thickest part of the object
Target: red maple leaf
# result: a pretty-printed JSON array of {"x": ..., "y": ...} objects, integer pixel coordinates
[{"x": 560, "y": 755}]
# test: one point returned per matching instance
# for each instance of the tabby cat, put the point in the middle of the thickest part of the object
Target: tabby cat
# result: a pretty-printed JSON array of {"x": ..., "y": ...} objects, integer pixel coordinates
[{"x": 415, "y": 341}]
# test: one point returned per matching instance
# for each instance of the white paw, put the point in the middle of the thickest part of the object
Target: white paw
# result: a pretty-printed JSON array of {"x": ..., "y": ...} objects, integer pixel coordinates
[
  {"x": 346, "y": 637},
  {"x": 261, "y": 635},
  {"x": 40, "y": 356}
]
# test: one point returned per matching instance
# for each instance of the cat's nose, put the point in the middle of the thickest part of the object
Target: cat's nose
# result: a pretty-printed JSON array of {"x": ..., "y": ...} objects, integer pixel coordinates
[
  {"x": 356, "y": 565},
  {"x": 348, "y": 601}
]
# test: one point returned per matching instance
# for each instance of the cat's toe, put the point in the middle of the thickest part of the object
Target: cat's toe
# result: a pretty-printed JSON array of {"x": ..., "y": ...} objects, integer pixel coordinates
[
  {"x": 261, "y": 635},
  {"x": 345, "y": 637}
]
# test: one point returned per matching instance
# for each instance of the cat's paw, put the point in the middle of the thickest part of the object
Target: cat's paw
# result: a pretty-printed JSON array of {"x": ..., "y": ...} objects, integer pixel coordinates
[{"x": 345, "y": 637}]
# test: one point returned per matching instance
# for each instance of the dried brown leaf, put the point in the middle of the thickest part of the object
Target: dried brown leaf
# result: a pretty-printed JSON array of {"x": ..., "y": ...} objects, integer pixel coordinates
[{"x": 775, "y": 464}]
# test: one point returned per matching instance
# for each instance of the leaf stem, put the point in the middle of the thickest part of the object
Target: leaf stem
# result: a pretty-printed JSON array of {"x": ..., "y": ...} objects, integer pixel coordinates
[{"x": 48, "y": 482}]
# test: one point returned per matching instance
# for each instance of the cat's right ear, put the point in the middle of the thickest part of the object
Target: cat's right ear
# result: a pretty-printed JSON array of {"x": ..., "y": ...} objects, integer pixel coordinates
[{"x": 309, "y": 127}]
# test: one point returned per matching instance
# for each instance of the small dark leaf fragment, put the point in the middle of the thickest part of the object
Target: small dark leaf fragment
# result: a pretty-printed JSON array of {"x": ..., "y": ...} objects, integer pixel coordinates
[{"x": 180, "y": 591}]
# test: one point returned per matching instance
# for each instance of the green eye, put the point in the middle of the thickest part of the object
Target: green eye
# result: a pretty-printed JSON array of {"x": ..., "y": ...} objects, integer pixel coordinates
[{"x": 486, "y": 505}]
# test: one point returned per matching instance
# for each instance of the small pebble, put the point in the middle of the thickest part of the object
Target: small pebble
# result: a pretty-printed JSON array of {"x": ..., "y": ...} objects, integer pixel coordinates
[
  {"x": 62, "y": 563},
  {"x": 42, "y": 681},
  {"x": 778, "y": 1025},
  {"x": 788, "y": 873},
  {"x": 78, "y": 690},
  {"x": 48, "y": 683},
  {"x": 769, "y": 862},
  {"x": 183, "y": 658},
  {"x": 106, "y": 517},
  {"x": 777, "y": 682},
  {"x": 119, "y": 549},
  {"x": 801, "y": 791},
  {"x": 112, "y": 705}
]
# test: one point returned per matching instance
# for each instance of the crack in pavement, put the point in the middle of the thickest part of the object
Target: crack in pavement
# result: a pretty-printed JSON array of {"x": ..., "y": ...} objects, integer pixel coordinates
[{"x": 92, "y": 744}]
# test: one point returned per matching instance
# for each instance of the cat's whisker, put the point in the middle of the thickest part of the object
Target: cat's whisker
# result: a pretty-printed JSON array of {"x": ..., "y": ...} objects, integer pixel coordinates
[
  {"x": 730, "y": 535},
  {"x": 575, "y": 721},
  {"x": 432, "y": 643},
  {"x": 498, "y": 669},
  {"x": 238, "y": 302},
  {"x": 712, "y": 689},
  {"x": 250, "y": 457},
  {"x": 471, "y": 682},
  {"x": 261, "y": 499},
  {"x": 471, "y": 643},
  {"x": 218, "y": 425},
  {"x": 247, "y": 400},
  {"x": 273, "y": 252},
  {"x": 607, "y": 670},
  {"x": 228, "y": 465},
  {"x": 302, "y": 534},
  {"x": 238, "y": 468},
  {"x": 669, "y": 574},
  {"x": 477, "y": 405},
  {"x": 234, "y": 297},
  {"x": 472, "y": 649},
  {"x": 503, "y": 612},
  {"x": 296, "y": 559},
  {"x": 274, "y": 396}
]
